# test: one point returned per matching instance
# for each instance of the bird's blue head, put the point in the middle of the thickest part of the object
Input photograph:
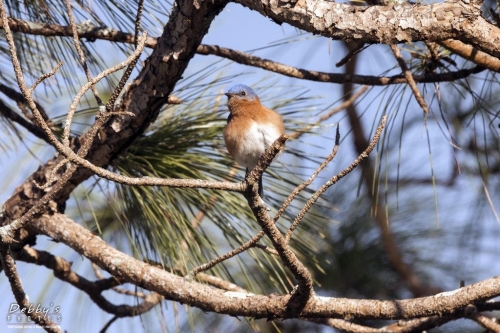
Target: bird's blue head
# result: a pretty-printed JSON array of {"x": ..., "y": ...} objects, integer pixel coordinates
[{"x": 242, "y": 93}]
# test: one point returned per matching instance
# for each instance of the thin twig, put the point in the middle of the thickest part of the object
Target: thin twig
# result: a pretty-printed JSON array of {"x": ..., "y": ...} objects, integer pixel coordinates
[
  {"x": 227, "y": 255},
  {"x": 427, "y": 323},
  {"x": 62, "y": 270},
  {"x": 20, "y": 100},
  {"x": 126, "y": 75},
  {"x": 352, "y": 52},
  {"x": 295, "y": 135},
  {"x": 489, "y": 323},
  {"x": 53, "y": 175},
  {"x": 93, "y": 81},
  {"x": 345, "y": 326},
  {"x": 43, "y": 77},
  {"x": 302, "y": 186},
  {"x": 108, "y": 324},
  {"x": 78, "y": 47},
  {"x": 98, "y": 274},
  {"x": 137, "y": 23},
  {"x": 9, "y": 266},
  {"x": 8, "y": 113},
  {"x": 409, "y": 77},
  {"x": 266, "y": 249},
  {"x": 364, "y": 155},
  {"x": 97, "y": 271},
  {"x": 490, "y": 202},
  {"x": 198, "y": 217},
  {"x": 304, "y": 289}
]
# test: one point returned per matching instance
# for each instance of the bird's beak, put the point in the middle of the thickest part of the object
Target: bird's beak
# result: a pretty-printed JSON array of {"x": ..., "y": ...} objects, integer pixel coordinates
[{"x": 228, "y": 95}]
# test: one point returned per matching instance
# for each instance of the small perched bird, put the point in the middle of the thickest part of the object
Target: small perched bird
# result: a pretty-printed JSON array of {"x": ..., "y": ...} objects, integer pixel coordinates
[{"x": 251, "y": 128}]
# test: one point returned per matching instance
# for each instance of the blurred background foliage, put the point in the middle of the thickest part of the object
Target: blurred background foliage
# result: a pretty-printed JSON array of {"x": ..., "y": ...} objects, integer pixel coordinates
[{"x": 436, "y": 175}]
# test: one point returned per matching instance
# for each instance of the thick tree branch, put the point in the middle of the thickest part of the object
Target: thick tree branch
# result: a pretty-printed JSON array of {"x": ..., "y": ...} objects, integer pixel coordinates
[
  {"x": 176, "y": 288},
  {"x": 394, "y": 24},
  {"x": 144, "y": 98},
  {"x": 466, "y": 51}
]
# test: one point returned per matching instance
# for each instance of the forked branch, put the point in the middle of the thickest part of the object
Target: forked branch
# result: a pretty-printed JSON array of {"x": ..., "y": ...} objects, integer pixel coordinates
[{"x": 332, "y": 181}]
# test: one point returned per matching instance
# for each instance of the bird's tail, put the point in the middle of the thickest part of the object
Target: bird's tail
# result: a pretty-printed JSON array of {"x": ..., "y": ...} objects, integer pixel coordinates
[{"x": 261, "y": 187}]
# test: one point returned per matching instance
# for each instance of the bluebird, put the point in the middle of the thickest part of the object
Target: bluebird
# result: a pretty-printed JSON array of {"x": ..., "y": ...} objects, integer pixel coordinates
[{"x": 251, "y": 128}]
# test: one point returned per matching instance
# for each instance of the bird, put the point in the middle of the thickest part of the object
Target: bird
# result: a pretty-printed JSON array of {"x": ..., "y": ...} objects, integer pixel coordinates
[{"x": 251, "y": 128}]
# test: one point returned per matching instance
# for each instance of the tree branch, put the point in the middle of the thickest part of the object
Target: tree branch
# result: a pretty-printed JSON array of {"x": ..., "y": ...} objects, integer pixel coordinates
[
  {"x": 332, "y": 181},
  {"x": 308, "y": 182},
  {"x": 173, "y": 287},
  {"x": 487, "y": 322},
  {"x": 8, "y": 113},
  {"x": 394, "y": 24},
  {"x": 9, "y": 267},
  {"x": 163, "y": 69},
  {"x": 79, "y": 51},
  {"x": 409, "y": 77},
  {"x": 104, "y": 33},
  {"x": 304, "y": 291},
  {"x": 472, "y": 54},
  {"x": 394, "y": 255},
  {"x": 276, "y": 67},
  {"x": 19, "y": 99},
  {"x": 295, "y": 135}
]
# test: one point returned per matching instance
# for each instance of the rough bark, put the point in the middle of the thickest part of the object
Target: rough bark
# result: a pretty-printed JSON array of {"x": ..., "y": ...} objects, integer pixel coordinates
[
  {"x": 392, "y": 24},
  {"x": 176, "y": 288},
  {"x": 144, "y": 97}
]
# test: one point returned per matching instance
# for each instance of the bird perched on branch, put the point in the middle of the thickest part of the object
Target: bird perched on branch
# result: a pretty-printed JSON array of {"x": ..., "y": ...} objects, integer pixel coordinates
[{"x": 251, "y": 128}]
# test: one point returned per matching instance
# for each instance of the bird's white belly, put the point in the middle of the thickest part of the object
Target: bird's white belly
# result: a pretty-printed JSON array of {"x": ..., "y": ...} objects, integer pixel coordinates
[{"x": 254, "y": 143}]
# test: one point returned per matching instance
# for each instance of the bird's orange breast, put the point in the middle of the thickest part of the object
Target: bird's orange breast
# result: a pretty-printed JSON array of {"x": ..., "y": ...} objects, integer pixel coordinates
[{"x": 251, "y": 129}]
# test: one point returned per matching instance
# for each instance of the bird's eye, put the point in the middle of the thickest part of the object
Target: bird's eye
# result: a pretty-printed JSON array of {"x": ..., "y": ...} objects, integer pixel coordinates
[{"x": 243, "y": 93}]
